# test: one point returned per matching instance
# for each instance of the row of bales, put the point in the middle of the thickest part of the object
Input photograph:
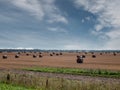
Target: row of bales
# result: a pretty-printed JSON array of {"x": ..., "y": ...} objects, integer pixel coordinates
[
  {"x": 51, "y": 54},
  {"x": 100, "y": 53},
  {"x": 79, "y": 58},
  {"x": 6, "y": 56},
  {"x": 84, "y": 56},
  {"x": 93, "y": 55},
  {"x": 56, "y": 54},
  {"x": 33, "y": 54},
  {"x": 18, "y": 56}
]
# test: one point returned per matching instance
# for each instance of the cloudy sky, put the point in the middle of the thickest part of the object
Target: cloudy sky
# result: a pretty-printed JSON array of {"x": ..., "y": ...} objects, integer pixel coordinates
[{"x": 60, "y": 24}]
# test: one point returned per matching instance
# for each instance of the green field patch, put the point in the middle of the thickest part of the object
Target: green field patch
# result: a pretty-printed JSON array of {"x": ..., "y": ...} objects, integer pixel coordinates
[
  {"x": 4, "y": 86},
  {"x": 74, "y": 71}
]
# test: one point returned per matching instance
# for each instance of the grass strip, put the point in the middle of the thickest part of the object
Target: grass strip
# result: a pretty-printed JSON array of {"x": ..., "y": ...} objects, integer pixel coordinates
[
  {"x": 74, "y": 71},
  {"x": 4, "y": 86}
]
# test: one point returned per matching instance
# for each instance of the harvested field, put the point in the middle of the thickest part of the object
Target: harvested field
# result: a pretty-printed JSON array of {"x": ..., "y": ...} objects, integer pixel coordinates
[
  {"x": 20, "y": 71},
  {"x": 107, "y": 61}
]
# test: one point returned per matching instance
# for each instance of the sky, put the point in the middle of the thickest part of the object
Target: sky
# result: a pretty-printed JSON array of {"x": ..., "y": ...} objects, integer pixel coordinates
[{"x": 60, "y": 24}]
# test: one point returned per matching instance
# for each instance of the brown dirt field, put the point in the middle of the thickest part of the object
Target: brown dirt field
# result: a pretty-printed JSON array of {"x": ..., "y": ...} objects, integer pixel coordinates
[{"x": 106, "y": 61}]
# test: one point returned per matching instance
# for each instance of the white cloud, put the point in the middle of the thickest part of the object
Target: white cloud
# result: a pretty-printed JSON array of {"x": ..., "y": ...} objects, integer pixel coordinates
[
  {"x": 23, "y": 48},
  {"x": 98, "y": 27},
  {"x": 41, "y": 9},
  {"x": 114, "y": 34},
  {"x": 114, "y": 39},
  {"x": 57, "y": 18},
  {"x": 57, "y": 29},
  {"x": 31, "y": 6},
  {"x": 108, "y": 17},
  {"x": 107, "y": 11},
  {"x": 53, "y": 13}
]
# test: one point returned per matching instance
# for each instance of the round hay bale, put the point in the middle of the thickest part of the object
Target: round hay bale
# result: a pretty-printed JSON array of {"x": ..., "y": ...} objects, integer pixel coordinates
[
  {"x": 57, "y": 54},
  {"x": 27, "y": 54},
  {"x": 34, "y": 56},
  {"x": 16, "y": 56},
  {"x": 93, "y": 56},
  {"x": 51, "y": 54},
  {"x": 83, "y": 56},
  {"x": 40, "y": 52},
  {"x": 61, "y": 53},
  {"x": 114, "y": 54},
  {"x": 40, "y": 56},
  {"x": 79, "y": 59},
  {"x": 5, "y": 56},
  {"x": 100, "y": 53}
]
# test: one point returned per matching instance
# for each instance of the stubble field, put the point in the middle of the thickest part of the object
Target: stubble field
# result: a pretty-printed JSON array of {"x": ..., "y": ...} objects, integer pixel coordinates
[
  {"x": 106, "y": 61},
  {"x": 59, "y": 71}
]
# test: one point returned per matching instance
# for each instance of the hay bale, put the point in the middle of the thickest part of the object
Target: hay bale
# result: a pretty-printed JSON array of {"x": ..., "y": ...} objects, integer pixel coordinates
[
  {"x": 27, "y": 54},
  {"x": 40, "y": 52},
  {"x": 83, "y": 56},
  {"x": 100, "y": 53},
  {"x": 34, "y": 56},
  {"x": 114, "y": 54},
  {"x": 61, "y": 53},
  {"x": 57, "y": 54},
  {"x": 93, "y": 56},
  {"x": 5, "y": 56},
  {"x": 79, "y": 59},
  {"x": 40, "y": 56},
  {"x": 16, "y": 56},
  {"x": 51, "y": 54}
]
